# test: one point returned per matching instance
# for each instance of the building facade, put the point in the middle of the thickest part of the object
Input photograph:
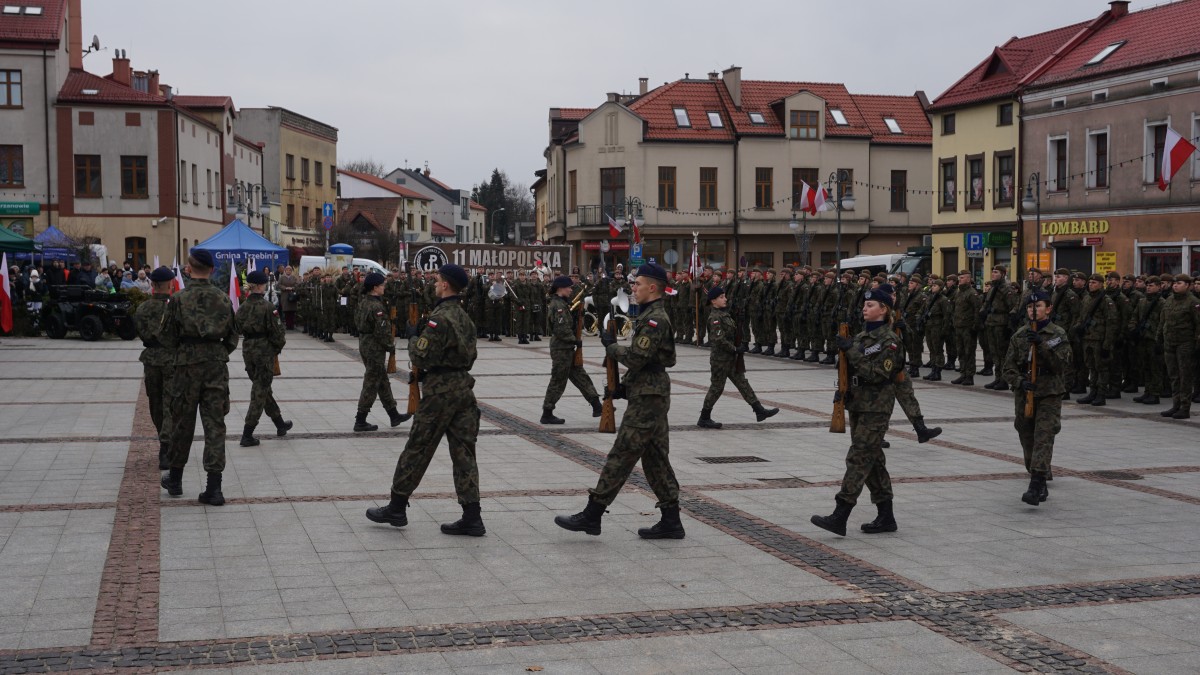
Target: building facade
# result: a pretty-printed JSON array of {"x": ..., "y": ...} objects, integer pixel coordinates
[
  {"x": 413, "y": 221},
  {"x": 450, "y": 208}
]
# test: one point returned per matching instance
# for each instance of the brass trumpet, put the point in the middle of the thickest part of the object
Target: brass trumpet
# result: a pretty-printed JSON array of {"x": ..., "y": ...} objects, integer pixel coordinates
[{"x": 577, "y": 300}]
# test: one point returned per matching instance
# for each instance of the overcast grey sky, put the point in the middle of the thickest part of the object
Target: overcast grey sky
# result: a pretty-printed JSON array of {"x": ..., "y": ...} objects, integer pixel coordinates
[{"x": 467, "y": 85}]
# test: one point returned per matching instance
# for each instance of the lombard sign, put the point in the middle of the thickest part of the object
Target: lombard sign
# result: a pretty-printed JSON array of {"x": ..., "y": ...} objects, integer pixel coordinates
[
  {"x": 1070, "y": 227},
  {"x": 430, "y": 257}
]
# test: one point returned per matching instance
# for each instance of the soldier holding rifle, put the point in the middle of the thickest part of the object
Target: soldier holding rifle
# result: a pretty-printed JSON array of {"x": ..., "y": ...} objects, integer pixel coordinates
[
  {"x": 565, "y": 343},
  {"x": 375, "y": 341},
  {"x": 263, "y": 338},
  {"x": 727, "y": 362}
]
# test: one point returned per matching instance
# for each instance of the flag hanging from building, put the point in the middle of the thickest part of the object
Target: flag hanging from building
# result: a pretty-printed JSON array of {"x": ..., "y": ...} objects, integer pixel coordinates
[
  {"x": 813, "y": 199},
  {"x": 6, "y": 310},
  {"x": 1176, "y": 151},
  {"x": 233, "y": 286},
  {"x": 637, "y": 230},
  {"x": 614, "y": 228}
]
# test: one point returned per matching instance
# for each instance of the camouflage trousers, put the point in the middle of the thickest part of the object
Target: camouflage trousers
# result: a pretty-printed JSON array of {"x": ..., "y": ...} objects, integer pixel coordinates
[
  {"x": 455, "y": 415},
  {"x": 759, "y": 325},
  {"x": 686, "y": 328},
  {"x": 1152, "y": 365},
  {"x": 562, "y": 369},
  {"x": 996, "y": 338},
  {"x": 158, "y": 385},
  {"x": 523, "y": 321},
  {"x": 1097, "y": 366},
  {"x": 1181, "y": 371},
  {"x": 913, "y": 344},
  {"x": 949, "y": 336},
  {"x": 375, "y": 380},
  {"x": 966, "y": 340},
  {"x": 1037, "y": 433},
  {"x": 702, "y": 325},
  {"x": 783, "y": 324},
  {"x": 906, "y": 397},
  {"x": 202, "y": 388},
  {"x": 937, "y": 346},
  {"x": 643, "y": 435},
  {"x": 865, "y": 463},
  {"x": 722, "y": 372},
  {"x": 261, "y": 396}
]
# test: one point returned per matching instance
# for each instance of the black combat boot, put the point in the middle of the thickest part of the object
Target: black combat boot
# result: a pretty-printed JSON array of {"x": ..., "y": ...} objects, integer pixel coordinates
[
  {"x": 758, "y": 349},
  {"x": 471, "y": 524},
  {"x": 1196, "y": 396},
  {"x": 836, "y": 521},
  {"x": 522, "y": 340},
  {"x": 248, "y": 439},
  {"x": 1079, "y": 388},
  {"x": 959, "y": 379},
  {"x": 1182, "y": 414},
  {"x": 1091, "y": 396},
  {"x": 1131, "y": 387},
  {"x": 885, "y": 444},
  {"x": 1037, "y": 485},
  {"x": 212, "y": 492},
  {"x": 668, "y": 527},
  {"x": 924, "y": 433},
  {"x": 1099, "y": 400},
  {"x": 162, "y": 456},
  {"x": 914, "y": 371},
  {"x": 951, "y": 365},
  {"x": 968, "y": 381},
  {"x": 396, "y": 417},
  {"x": 797, "y": 355},
  {"x": 770, "y": 350},
  {"x": 537, "y": 338},
  {"x": 987, "y": 370},
  {"x": 549, "y": 418},
  {"x": 393, "y": 514},
  {"x": 282, "y": 426},
  {"x": 884, "y": 522},
  {"x": 172, "y": 482},
  {"x": 361, "y": 424},
  {"x": 814, "y": 357},
  {"x": 1148, "y": 399},
  {"x": 763, "y": 413},
  {"x": 828, "y": 360},
  {"x": 783, "y": 353},
  {"x": 934, "y": 375},
  {"x": 597, "y": 407},
  {"x": 706, "y": 420},
  {"x": 587, "y": 520},
  {"x": 329, "y": 337},
  {"x": 1000, "y": 385},
  {"x": 1114, "y": 393}
]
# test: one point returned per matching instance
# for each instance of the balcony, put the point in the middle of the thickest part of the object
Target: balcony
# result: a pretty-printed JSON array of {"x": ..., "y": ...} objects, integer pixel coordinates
[{"x": 594, "y": 214}]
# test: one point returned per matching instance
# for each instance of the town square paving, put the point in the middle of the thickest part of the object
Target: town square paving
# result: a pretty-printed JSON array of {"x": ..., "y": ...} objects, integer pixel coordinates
[{"x": 101, "y": 571}]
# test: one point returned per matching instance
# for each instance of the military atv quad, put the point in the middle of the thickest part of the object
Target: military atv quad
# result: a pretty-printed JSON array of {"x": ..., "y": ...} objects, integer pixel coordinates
[{"x": 90, "y": 312}]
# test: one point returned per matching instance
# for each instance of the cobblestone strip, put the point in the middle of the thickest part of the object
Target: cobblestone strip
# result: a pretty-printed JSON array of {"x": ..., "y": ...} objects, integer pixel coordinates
[
  {"x": 79, "y": 506},
  {"x": 1068, "y": 595}
]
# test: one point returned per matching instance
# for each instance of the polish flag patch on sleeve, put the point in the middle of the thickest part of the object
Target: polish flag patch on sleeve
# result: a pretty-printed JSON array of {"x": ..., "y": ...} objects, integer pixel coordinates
[
  {"x": 653, "y": 323},
  {"x": 432, "y": 324}
]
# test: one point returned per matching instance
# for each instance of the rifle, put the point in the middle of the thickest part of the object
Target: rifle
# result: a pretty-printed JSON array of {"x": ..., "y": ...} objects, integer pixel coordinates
[
  {"x": 608, "y": 413},
  {"x": 739, "y": 361},
  {"x": 928, "y": 310},
  {"x": 837, "y": 425},
  {"x": 391, "y": 364},
  {"x": 413, "y": 311},
  {"x": 276, "y": 371},
  {"x": 414, "y": 389},
  {"x": 1032, "y": 374},
  {"x": 578, "y": 311}
]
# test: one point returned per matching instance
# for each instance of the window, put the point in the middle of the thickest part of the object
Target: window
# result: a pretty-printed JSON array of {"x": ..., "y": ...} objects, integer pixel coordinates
[
  {"x": 303, "y": 169},
  {"x": 681, "y": 117},
  {"x": 949, "y": 185},
  {"x": 708, "y": 188},
  {"x": 208, "y": 186},
  {"x": 804, "y": 124},
  {"x": 333, "y": 176},
  {"x": 195, "y": 184},
  {"x": 135, "y": 250},
  {"x": 10, "y": 89},
  {"x": 1195, "y": 163},
  {"x": 133, "y": 119},
  {"x": 465, "y": 206},
  {"x": 87, "y": 118},
  {"x": 899, "y": 190},
  {"x": 1004, "y": 115},
  {"x": 1156, "y": 140},
  {"x": 762, "y": 187},
  {"x": 183, "y": 180},
  {"x": 319, "y": 172},
  {"x": 1159, "y": 84},
  {"x": 666, "y": 187},
  {"x": 572, "y": 193},
  {"x": 1098, "y": 159},
  {"x": 892, "y": 125},
  {"x": 133, "y": 177},
  {"x": 304, "y": 217},
  {"x": 291, "y": 215},
  {"x": 87, "y": 176},
  {"x": 1105, "y": 53},
  {"x": 12, "y": 166},
  {"x": 839, "y": 117},
  {"x": 757, "y": 118},
  {"x": 760, "y": 259},
  {"x": 410, "y": 223},
  {"x": 714, "y": 120},
  {"x": 1098, "y": 96},
  {"x": 1058, "y": 165},
  {"x": 1060, "y": 102},
  {"x": 947, "y": 124},
  {"x": 831, "y": 258},
  {"x": 424, "y": 223},
  {"x": 1005, "y": 177},
  {"x": 1161, "y": 259},
  {"x": 612, "y": 192},
  {"x": 290, "y": 167},
  {"x": 217, "y": 186},
  {"x": 975, "y": 181},
  {"x": 799, "y": 177}
]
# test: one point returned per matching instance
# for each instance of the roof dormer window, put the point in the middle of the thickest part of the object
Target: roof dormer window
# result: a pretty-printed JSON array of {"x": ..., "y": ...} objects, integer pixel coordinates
[
  {"x": 839, "y": 117},
  {"x": 1105, "y": 53},
  {"x": 714, "y": 120},
  {"x": 757, "y": 118},
  {"x": 892, "y": 125},
  {"x": 681, "y": 117},
  {"x": 12, "y": 9},
  {"x": 33, "y": 11}
]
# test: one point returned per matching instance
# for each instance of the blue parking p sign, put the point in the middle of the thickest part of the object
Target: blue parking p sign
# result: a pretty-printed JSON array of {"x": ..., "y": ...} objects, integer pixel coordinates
[{"x": 974, "y": 241}]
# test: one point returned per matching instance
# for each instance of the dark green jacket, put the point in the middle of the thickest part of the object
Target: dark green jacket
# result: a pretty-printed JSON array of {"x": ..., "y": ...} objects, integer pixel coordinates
[
  {"x": 1053, "y": 360},
  {"x": 873, "y": 362},
  {"x": 445, "y": 351},
  {"x": 650, "y": 352}
]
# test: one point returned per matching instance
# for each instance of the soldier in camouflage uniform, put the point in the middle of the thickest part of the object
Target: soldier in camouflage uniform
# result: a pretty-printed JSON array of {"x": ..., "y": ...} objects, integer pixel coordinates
[
  {"x": 831, "y": 316},
  {"x": 158, "y": 361},
  {"x": 784, "y": 294},
  {"x": 375, "y": 343},
  {"x": 1117, "y": 364},
  {"x": 345, "y": 319},
  {"x": 1181, "y": 333},
  {"x": 444, "y": 354},
  {"x": 948, "y": 322},
  {"x": 769, "y": 295},
  {"x": 933, "y": 323},
  {"x": 1147, "y": 334},
  {"x": 874, "y": 358},
  {"x": 644, "y": 434},
  {"x": 967, "y": 303},
  {"x": 263, "y": 338},
  {"x": 523, "y": 308},
  {"x": 758, "y": 287},
  {"x": 1097, "y": 328},
  {"x": 723, "y": 362},
  {"x": 562, "y": 355},
  {"x": 1053, "y": 348},
  {"x": 822, "y": 286},
  {"x": 999, "y": 304},
  {"x": 330, "y": 307},
  {"x": 537, "y": 301},
  {"x": 706, "y": 282},
  {"x": 910, "y": 309},
  {"x": 201, "y": 328}
]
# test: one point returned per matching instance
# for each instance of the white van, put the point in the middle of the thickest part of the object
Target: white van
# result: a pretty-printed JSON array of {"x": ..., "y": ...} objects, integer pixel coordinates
[
  {"x": 366, "y": 265},
  {"x": 873, "y": 264}
]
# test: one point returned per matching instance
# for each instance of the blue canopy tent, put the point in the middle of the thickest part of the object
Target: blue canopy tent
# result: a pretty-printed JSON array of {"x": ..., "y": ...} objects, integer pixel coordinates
[
  {"x": 239, "y": 244},
  {"x": 56, "y": 245}
]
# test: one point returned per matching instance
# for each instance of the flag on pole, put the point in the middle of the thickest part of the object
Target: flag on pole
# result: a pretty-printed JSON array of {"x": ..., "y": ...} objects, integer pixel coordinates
[
  {"x": 637, "y": 230},
  {"x": 614, "y": 228},
  {"x": 252, "y": 266},
  {"x": 813, "y": 199},
  {"x": 178, "y": 274},
  {"x": 1176, "y": 151},
  {"x": 6, "y": 310},
  {"x": 155, "y": 262},
  {"x": 233, "y": 286},
  {"x": 694, "y": 266}
]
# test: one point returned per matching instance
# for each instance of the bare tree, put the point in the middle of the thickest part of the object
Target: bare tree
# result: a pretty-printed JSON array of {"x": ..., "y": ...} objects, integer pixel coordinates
[{"x": 368, "y": 166}]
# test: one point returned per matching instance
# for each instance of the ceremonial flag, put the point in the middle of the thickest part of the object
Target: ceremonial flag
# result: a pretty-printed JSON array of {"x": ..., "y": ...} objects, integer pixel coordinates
[
  {"x": 637, "y": 230},
  {"x": 694, "y": 266},
  {"x": 813, "y": 199},
  {"x": 233, "y": 286},
  {"x": 178, "y": 274},
  {"x": 252, "y": 267},
  {"x": 614, "y": 228},
  {"x": 155, "y": 262},
  {"x": 1176, "y": 151},
  {"x": 6, "y": 319}
]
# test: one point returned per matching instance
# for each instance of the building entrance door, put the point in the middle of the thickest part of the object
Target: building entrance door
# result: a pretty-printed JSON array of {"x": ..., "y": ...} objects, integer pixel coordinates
[{"x": 1074, "y": 258}]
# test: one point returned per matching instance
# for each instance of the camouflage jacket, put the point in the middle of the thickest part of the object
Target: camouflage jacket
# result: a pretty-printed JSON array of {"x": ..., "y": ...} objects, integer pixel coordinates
[
  {"x": 262, "y": 332},
  {"x": 562, "y": 324},
  {"x": 1053, "y": 360},
  {"x": 1065, "y": 312},
  {"x": 1181, "y": 319},
  {"x": 150, "y": 322},
  {"x": 1145, "y": 322},
  {"x": 1098, "y": 319},
  {"x": 1002, "y": 303},
  {"x": 374, "y": 325},
  {"x": 445, "y": 350},
  {"x": 201, "y": 323},
  {"x": 873, "y": 360},
  {"x": 1124, "y": 310},
  {"x": 650, "y": 352},
  {"x": 967, "y": 301},
  {"x": 783, "y": 297},
  {"x": 722, "y": 332}
]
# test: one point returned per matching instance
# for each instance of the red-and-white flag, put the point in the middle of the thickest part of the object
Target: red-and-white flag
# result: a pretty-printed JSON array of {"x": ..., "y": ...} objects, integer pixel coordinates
[
  {"x": 1176, "y": 152},
  {"x": 233, "y": 286},
  {"x": 614, "y": 228},
  {"x": 637, "y": 231},
  {"x": 694, "y": 266},
  {"x": 178, "y": 274},
  {"x": 6, "y": 319},
  {"x": 253, "y": 267},
  {"x": 813, "y": 199},
  {"x": 155, "y": 262}
]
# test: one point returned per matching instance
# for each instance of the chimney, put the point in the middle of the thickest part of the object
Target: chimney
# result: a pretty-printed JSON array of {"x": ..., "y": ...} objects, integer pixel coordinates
[
  {"x": 1118, "y": 8},
  {"x": 75, "y": 33},
  {"x": 153, "y": 88},
  {"x": 165, "y": 90},
  {"x": 733, "y": 83},
  {"x": 714, "y": 75},
  {"x": 613, "y": 97},
  {"x": 121, "y": 72},
  {"x": 643, "y": 85}
]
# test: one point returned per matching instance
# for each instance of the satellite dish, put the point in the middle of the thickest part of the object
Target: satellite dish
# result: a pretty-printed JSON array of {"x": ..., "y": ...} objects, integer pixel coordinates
[{"x": 95, "y": 42}]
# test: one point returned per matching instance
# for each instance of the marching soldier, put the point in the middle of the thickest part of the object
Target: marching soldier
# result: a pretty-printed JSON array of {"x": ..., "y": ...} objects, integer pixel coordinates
[
  {"x": 263, "y": 338},
  {"x": 444, "y": 353},
  {"x": 723, "y": 363},
  {"x": 644, "y": 433},
  {"x": 375, "y": 342},
  {"x": 563, "y": 344},
  {"x": 158, "y": 359},
  {"x": 1097, "y": 328},
  {"x": 1181, "y": 332},
  {"x": 966, "y": 310},
  {"x": 998, "y": 306}
]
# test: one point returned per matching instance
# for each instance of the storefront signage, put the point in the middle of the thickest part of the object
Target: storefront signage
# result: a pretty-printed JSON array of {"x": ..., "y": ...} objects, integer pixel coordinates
[
  {"x": 1093, "y": 241},
  {"x": 612, "y": 246},
  {"x": 1038, "y": 260},
  {"x": 1068, "y": 227},
  {"x": 20, "y": 208},
  {"x": 997, "y": 239},
  {"x": 1106, "y": 261}
]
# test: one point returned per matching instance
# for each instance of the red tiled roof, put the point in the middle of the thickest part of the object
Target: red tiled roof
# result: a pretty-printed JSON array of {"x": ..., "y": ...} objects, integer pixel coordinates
[
  {"x": 380, "y": 212},
  {"x": 386, "y": 185},
  {"x": 440, "y": 230},
  {"x": 759, "y": 95},
  {"x": 574, "y": 113},
  {"x": 1014, "y": 61},
  {"x": 907, "y": 112},
  {"x": 476, "y": 206},
  {"x": 107, "y": 91},
  {"x": 43, "y": 29},
  {"x": 205, "y": 102},
  {"x": 1164, "y": 33},
  {"x": 697, "y": 97}
]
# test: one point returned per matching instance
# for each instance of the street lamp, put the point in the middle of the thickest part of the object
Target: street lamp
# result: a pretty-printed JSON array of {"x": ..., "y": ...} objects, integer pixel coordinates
[
  {"x": 495, "y": 235},
  {"x": 1031, "y": 201},
  {"x": 802, "y": 239},
  {"x": 845, "y": 202}
]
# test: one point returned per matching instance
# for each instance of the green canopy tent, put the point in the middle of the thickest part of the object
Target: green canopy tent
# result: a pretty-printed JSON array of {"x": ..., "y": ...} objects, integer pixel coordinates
[{"x": 10, "y": 242}]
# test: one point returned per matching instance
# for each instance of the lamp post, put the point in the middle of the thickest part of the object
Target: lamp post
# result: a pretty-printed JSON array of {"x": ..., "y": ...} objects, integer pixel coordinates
[
  {"x": 494, "y": 234},
  {"x": 1033, "y": 201},
  {"x": 845, "y": 201},
  {"x": 802, "y": 238}
]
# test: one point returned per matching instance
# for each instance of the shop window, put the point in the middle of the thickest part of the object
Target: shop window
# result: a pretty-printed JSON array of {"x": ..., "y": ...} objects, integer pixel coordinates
[
  {"x": 762, "y": 259},
  {"x": 1162, "y": 259}
]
